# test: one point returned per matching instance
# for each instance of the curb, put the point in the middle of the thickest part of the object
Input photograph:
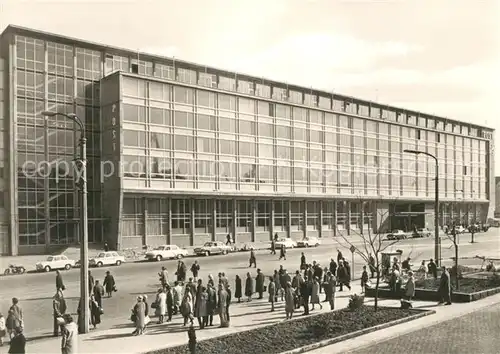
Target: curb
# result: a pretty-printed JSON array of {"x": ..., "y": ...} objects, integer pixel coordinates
[{"x": 361, "y": 332}]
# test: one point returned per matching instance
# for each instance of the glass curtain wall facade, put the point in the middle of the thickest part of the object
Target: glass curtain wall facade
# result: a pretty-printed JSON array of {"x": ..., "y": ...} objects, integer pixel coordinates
[{"x": 280, "y": 158}]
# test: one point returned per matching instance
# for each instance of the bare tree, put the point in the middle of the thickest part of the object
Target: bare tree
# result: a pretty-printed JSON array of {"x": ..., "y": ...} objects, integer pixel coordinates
[{"x": 373, "y": 244}]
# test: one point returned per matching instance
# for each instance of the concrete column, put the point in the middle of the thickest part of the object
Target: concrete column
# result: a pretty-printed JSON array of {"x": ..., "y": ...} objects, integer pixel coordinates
[
  {"x": 145, "y": 221},
  {"x": 348, "y": 218},
  {"x": 214, "y": 219},
  {"x": 254, "y": 219},
  {"x": 362, "y": 217},
  {"x": 234, "y": 217},
  {"x": 304, "y": 219},
  {"x": 169, "y": 222},
  {"x": 320, "y": 219},
  {"x": 335, "y": 223},
  {"x": 289, "y": 219},
  {"x": 191, "y": 229},
  {"x": 271, "y": 220}
]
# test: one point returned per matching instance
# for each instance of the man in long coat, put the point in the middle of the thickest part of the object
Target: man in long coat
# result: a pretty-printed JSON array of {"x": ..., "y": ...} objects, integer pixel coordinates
[
  {"x": 59, "y": 309},
  {"x": 91, "y": 283},
  {"x": 181, "y": 271},
  {"x": 211, "y": 305},
  {"x": 305, "y": 293},
  {"x": 222, "y": 305},
  {"x": 330, "y": 287},
  {"x": 259, "y": 283},
  {"x": 445, "y": 287}
]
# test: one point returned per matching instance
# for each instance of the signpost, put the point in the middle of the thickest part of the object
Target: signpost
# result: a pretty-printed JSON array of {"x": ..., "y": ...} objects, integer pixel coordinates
[{"x": 352, "y": 249}]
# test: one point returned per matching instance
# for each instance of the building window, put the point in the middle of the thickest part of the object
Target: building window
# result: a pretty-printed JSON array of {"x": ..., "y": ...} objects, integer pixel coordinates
[
  {"x": 419, "y": 134},
  {"x": 465, "y": 170}
]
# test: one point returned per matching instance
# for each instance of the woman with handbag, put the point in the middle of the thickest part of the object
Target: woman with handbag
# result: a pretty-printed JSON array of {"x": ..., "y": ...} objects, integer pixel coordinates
[{"x": 109, "y": 284}]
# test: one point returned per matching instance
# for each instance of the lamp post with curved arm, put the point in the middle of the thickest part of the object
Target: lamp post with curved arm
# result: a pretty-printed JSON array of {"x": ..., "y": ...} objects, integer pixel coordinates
[
  {"x": 437, "y": 240},
  {"x": 84, "y": 237}
]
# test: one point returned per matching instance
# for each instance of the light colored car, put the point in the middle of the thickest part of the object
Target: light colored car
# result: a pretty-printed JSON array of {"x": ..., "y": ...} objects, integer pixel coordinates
[
  {"x": 213, "y": 247},
  {"x": 166, "y": 252},
  {"x": 422, "y": 232},
  {"x": 397, "y": 235},
  {"x": 106, "y": 258},
  {"x": 460, "y": 229},
  {"x": 55, "y": 262},
  {"x": 288, "y": 242},
  {"x": 309, "y": 242}
]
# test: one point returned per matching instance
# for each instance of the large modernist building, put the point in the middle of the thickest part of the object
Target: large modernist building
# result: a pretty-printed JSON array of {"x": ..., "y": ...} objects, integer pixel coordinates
[{"x": 182, "y": 153}]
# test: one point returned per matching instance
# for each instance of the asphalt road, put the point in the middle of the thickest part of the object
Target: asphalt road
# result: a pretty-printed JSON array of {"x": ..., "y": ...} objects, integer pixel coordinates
[
  {"x": 476, "y": 332},
  {"x": 35, "y": 291}
]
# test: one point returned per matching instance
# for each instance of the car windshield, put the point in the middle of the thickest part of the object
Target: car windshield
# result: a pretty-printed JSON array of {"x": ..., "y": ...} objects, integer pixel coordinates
[
  {"x": 101, "y": 255},
  {"x": 421, "y": 229},
  {"x": 396, "y": 231},
  {"x": 161, "y": 248},
  {"x": 208, "y": 244},
  {"x": 50, "y": 259}
]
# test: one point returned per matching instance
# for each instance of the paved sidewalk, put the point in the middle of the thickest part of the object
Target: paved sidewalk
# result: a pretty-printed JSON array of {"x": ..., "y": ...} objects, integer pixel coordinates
[
  {"x": 443, "y": 313},
  {"x": 244, "y": 316}
]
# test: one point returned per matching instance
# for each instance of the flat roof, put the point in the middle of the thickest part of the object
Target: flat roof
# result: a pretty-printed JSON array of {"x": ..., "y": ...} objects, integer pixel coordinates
[{"x": 24, "y": 31}]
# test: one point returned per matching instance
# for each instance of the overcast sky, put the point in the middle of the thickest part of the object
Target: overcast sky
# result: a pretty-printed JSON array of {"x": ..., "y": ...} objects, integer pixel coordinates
[{"x": 437, "y": 56}]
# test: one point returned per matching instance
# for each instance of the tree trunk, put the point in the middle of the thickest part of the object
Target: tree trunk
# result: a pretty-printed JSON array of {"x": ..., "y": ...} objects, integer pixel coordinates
[
  {"x": 376, "y": 290},
  {"x": 456, "y": 267}
]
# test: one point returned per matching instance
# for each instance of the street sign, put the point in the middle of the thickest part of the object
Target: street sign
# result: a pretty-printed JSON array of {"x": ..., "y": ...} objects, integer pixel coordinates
[{"x": 353, "y": 249}]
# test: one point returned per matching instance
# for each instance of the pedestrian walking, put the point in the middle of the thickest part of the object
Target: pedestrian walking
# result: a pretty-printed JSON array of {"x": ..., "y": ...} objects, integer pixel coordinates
[
  {"x": 181, "y": 272},
  {"x": 201, "y": 307},
  {"x": 14, "y": 317},
  {"x": 95, "y": 312},
  {"x": 187, "y": 308},
  {"x": 305, "y": 293},
  {"x": 17, "y": 343},
  {"x": 249, "y": 287},
  {"x": 228, "y": 240},
  {"x": 195, "y": 269},
  {"x": 170, "y": 302},
  {"x": 282, "y": 252},
  {"x": 211, "y": 305},
  {"x": 253, "y": 260},
  {"x": 228, "y": 302},
  {"x": 410, "y": 287},
  {"x": 178, "y": 296},
  {"x": 330, "y": 287},
  {"x": 109, "y": 284},
  {"x": 59, "y": 281},
  {"x": 237, "y": 289},
  {"x": 59, "y": 309},
  {"x": 315, "y": 294},
  {"x": 161, "y": 305},
  {"x": 364, "y": 279},
  {"x": 444, "y": 289},
  {"x": 106, "y": 247},
  {"x": 98, "y": 293},
  {"x": 277, "y": 284},
  {"x": 273, "y": 247},
  {"x": 289, "y": 301},
  {"x": 259, "y": 283},
  {"x": 163, "y": 277},
  {"x": 340, "y": 257},
  {"x": 303, "y": 263},
  {"x": 432, "y": 268},
  {"x": 222, "y": 304},
  {"x": 271, "y": 288},
  {"x": 139, "y": 316}
]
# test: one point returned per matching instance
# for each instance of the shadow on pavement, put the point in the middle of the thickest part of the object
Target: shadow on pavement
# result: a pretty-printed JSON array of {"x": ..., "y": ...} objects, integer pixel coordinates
[{"x": 109, "y": 336}]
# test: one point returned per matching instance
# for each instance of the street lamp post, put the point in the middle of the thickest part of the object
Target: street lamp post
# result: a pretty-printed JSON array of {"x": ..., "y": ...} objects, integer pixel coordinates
[
  {"x": 437, "y": 240},
  {"x": 84, "y": 237}
]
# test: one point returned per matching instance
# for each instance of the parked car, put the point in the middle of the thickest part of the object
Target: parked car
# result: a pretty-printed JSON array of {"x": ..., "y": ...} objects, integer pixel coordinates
[
  {"x": 55, "y": 262},
  {"x": 212, "y": 247},
  {"x": 106, "y": 258},
  {"x": 166, "y": 252},
  {"x": 460, "y": 229},
  {"x": 288, "y": 242},
  {"x": 422, "y": 232},
  {"x": 309, "y": 242},
  {"x": 397, "y": 235}
]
